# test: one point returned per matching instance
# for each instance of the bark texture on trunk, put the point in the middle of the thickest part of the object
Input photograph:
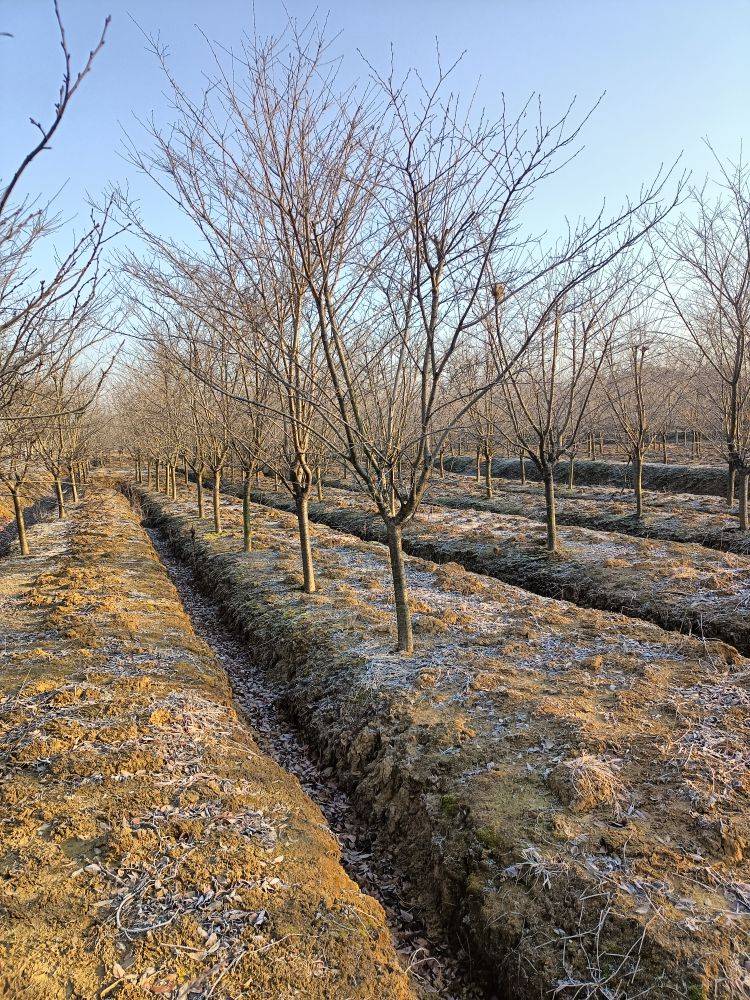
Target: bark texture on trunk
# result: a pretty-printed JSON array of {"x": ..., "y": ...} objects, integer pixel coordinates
[
  {"x": 400, "y": 590},
  {"x": 217, "y": 501},
  {"x": 23, "y": 542},
  {"x": 199, "y": 490},
  {"x": 731, "y": 474},
  {"x": 522, "y": 460},
  {"x": 60, "y": 497},
  {"x": 73, "y": 483},
  {"x": 638, "y": 484},
  {"x": 571, "y": 472},
  {"x": 488, "y": 474},
  {"x": 551, "y": 512},
  {"x": 305, "y": 545}
]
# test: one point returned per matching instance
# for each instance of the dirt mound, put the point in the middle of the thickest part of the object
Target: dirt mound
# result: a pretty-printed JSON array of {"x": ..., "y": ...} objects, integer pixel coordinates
[
  {"x": 147, "y": 846},
  {"x": 702, "y": 479},
  {"x": 570, "y": 788}
]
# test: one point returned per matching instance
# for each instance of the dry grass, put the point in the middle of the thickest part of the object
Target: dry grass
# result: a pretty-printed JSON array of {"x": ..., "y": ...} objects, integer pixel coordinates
[
  {"x": 147, "y": 846},
  {"x": 540, "y": 751}
]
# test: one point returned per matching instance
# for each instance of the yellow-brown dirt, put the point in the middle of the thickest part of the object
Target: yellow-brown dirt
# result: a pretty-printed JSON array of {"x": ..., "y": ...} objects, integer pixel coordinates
[{"x": 147, "y": 846}]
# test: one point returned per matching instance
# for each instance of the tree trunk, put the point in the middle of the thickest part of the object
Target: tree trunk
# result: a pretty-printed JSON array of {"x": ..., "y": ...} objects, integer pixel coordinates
[
  {"x": 319, "y": 484},
  {"x": 743, "y": 475},
  {"x": 23, "y": 543},
  {"x": 487, "y": 474},
  {"x": 638, "y": 483},
  {"x": 60, "y": 497},
  {"x": 217, "y": 501},
  {"x": 479, "y": 466},
  {"x": 247, "y": 538},
  {"x": 571, "y": 472},
  {"x": 148, "y": 474},
  {"x": 522, "y": 461},
  {"x": 156, "y": 474},
  {"x": 199, "y": 489},
  {"x": 73, "y": 483},
  {"x": 308, "y": 570},
  {"x": 549, "y": 499},
  {"x": 442, "y": 465},
  {"x": 730, "y": 485},
  {"x": 185, "y": 470},
  {"x": 400, "y": 591},
  {"x": 138, "y": 472}
]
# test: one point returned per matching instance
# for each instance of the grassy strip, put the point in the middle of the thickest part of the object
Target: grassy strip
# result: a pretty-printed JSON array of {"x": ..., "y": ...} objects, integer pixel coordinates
[
  {"x": 147, "y": 845},
  {"x": 684, "y": 519},
  {"x": 676, "y": 586},
  {"x": 569, "y": 788}
]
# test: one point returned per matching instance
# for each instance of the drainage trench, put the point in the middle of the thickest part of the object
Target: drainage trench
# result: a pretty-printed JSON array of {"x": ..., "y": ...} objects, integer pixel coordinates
[{"x": 437, "y": 968}]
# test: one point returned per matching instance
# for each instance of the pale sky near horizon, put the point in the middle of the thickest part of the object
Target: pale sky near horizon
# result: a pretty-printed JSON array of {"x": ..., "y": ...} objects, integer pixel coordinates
[{"x": 673, "y": 73}]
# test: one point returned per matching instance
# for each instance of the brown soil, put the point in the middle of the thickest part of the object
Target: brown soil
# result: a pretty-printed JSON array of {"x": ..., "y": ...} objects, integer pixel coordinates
[
  {"x": 147, "y": 846},
  {"x": 571, "y": 788}
]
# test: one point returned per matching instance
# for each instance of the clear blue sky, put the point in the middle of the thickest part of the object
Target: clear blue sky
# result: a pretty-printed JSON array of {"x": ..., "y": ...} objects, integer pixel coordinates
[{"x": 673, "y": 71}]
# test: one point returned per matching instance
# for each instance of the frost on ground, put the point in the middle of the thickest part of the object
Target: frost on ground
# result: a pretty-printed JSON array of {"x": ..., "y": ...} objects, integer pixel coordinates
[
  {"x": 571, "y": 787},
  {"x": 147, "y": 846},
  {"x": 676, "y": 517},
  {"x": 676, "y": 585}
]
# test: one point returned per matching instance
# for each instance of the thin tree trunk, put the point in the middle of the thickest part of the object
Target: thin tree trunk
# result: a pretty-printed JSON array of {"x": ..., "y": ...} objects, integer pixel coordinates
[
  {"x": 247, "y": 538},
  {"x": 73, "y": 483},
  {"x": 730, "y": 485},
  {"x": 522, "y": 461},
  {"x": 185, "y": 470},
  {"x": 156, "y": 474},
  {"x": 549, "y": 499},
  {"x": 638, "y": 483},
  {"x": 60, "y": 497},
  {"x": 400, "y": 590},
  {"x": 743, "y": 476},
  {"x": 199, "y": 489},
  {"x": 664, "y": 455},
  {"x": 571, "y": 472},
  {"x": 148, "y": 474},
  {"x": 23, "y": 543},
  {"x": 303, "y": 520},
  {"x": 319, "y": 483},
  {"x": 488, "y": 474},
  {"x": 217, "y": 501},
  {"x": 442, "y": 465},
  {"x": 479, "y": 464}
]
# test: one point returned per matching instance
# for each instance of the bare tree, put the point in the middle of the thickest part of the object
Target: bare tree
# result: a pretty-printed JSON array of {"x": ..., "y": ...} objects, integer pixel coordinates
[{"x": 705, "y": 267}]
